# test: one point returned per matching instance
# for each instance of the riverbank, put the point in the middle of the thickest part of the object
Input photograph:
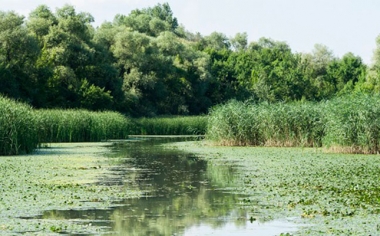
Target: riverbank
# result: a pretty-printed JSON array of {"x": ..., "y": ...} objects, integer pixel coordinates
[
  {"x": 60, "y": 177},
  {"x": 326, "y": 194}
]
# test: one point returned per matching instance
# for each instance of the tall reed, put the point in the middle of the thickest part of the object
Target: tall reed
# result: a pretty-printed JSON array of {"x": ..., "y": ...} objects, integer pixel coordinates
[
  {"x": 18, "y": 130},
  {"x": 353, "y": 124},
  {"x": 292, "y": 124},
  {"x": 235, "y": 123},
  {"x": 344, "y": 124},
  {"x": 179, "y": 125},
  {"x": 59, "y": 125},
  {"x": 238, "y": 123}
]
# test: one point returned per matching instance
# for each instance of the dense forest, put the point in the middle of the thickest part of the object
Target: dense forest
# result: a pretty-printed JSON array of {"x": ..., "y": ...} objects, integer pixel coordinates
[{"x": 147, "y": 64}]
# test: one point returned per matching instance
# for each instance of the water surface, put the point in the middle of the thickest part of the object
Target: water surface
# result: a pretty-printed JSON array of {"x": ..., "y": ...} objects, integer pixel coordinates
[{"x": 183, "y": 195}]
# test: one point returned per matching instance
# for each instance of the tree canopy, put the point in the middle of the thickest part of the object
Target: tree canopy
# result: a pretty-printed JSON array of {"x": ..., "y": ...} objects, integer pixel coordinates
[{"x": 146, "y": 64}]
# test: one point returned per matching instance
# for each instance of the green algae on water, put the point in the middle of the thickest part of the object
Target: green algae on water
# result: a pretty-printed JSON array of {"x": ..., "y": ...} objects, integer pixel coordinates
[{"x": 61, "y": 176}]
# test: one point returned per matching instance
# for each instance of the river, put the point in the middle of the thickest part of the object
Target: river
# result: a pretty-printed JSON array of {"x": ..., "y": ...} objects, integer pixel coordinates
[{"x": 182, "y": 195}]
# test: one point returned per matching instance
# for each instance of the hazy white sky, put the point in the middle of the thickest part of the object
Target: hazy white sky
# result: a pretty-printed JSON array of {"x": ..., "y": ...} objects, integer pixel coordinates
[{"x": 342, "y": 25}]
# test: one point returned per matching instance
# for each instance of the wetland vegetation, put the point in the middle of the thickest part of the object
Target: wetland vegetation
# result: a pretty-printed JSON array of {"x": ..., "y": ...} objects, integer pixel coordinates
[
  {"x": 344, "y": 124},
  {"x": 152, "y": 187},
  {"x": 62, "y": 176},
  {"x": 181, "y": 125},
  {"x": 326, "y": 193},
  {"x": 23, "y": 128},
  {"x": 145, "y": 74}
]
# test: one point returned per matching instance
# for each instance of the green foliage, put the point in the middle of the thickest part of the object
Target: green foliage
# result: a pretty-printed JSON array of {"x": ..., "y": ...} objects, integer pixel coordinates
[
  {"x": 145, "y": 64},
  {"x": 190, "y": 125},
  {"x": 94, "y": 97},
  {"x": 234, "y": 124},
  {"x": 151, "y": 21},
  {"x": 18, "y": 53},
  {"x": 18, "y": 130},
  {"x": 274, "y": 73}
]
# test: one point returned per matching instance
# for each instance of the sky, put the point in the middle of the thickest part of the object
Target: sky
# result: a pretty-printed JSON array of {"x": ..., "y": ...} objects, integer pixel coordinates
[{"x": 341, "y": 25}]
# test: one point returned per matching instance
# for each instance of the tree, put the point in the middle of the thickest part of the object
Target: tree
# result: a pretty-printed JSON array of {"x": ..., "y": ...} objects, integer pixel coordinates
[
  {"x": 372, "y": 78},
  {"x": 39, "y": 22},
  {"x": 18, "y": 54},
  {"x": 68, "y": 48},
  {"x": 94, "y": 97},
  {"x": 240, "y": 41},
  {"x": 151, "y": 21},
  {"x": 347, "y": 72},
  {"x": 217, "y": 41},
  {"x": 316, "y": 70},
  {"x": 275, "y": 75}
]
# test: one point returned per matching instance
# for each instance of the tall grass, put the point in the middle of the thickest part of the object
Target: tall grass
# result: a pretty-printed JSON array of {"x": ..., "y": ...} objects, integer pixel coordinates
[
  {"x": 22, "y": 129},
  {"x": 238, "y": 123},
  {"x": 18, "y": 132},
  {"x": 293, "y": 124},
  {"x": 80, "y": 125},
  {"x": 344, "y": 124},
  {"x": 185, "y": 125},
  {"x": 353, "y": 124},
  {"x": 235, "y": 123}
]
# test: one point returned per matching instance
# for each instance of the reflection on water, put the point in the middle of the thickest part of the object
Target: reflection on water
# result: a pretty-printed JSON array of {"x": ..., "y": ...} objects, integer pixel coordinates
[
  {"x": 249, "y": 229},
  {"x": 183, "y": 196}
]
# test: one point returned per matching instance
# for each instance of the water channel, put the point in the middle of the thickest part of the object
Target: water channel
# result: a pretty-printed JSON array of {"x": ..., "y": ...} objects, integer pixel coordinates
[{"x": 183, "y": 195}]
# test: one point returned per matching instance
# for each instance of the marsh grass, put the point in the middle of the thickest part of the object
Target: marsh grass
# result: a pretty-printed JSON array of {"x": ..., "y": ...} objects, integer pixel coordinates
[
  {"x": 22, "y": 128},
  {"x": 237, "y": 123},
  {"x": 80, "y": 126},
  {"x": 185, "y": 125},
  {"x": 353, "y": 124},
  {"x": 349, "y": 124},
  {"x": 18, "y": 132}
]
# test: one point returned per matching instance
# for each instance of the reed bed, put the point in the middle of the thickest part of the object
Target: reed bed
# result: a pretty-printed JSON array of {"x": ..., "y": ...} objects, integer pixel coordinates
[
  {"x": 59, "y": 125},
  {"x": 22, "y": 128},
  {"x": 349, "y": 124},
  {"x": 353, "y": 124},
  {"x": 241, "y": 124},
  {"x": 184, "y": 125},
  {"x": 18, "y": 132}
]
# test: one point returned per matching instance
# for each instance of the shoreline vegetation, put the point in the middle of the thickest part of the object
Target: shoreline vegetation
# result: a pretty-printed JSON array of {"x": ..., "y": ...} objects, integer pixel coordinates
[
  {"x": 347, "y": 124},
  {"x": 23, "y": 129},
  {"x": 67, "y": 73}
]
